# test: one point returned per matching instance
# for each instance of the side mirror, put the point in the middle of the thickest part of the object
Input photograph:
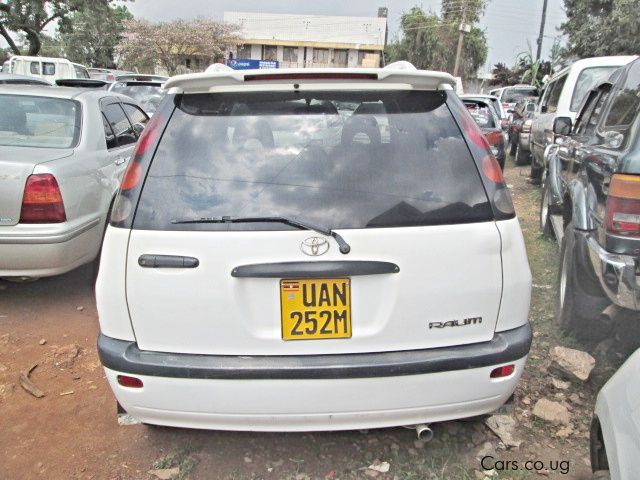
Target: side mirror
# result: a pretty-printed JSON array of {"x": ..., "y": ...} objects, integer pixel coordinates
[{"x": 562, "y": 126}]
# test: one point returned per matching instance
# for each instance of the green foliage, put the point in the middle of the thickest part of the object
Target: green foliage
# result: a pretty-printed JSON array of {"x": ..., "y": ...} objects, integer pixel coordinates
[
  {"x": 92, "y": 33},
  {"x": 602, "y": 27},
  {"x": 503, "y": 75},
  {"x": 31, "y": 17},
  {"x": 429, "y": 40}
]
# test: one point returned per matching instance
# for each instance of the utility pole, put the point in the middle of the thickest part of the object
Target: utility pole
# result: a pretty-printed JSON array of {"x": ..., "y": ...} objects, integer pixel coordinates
[
  {"x": 544, "y": 19},
  {"x": 462, "y": 29}
]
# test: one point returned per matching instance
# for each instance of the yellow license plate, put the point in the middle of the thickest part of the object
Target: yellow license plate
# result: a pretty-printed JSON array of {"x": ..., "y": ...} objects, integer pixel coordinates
[{"x": 315, "y": 308}]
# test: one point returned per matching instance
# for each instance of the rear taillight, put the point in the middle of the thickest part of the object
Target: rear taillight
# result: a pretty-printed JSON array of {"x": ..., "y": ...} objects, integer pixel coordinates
[
  {"x": 495, "y": 138},
  {"x": 526, "y": 126},
  {"x": 491, "y": 169},
  {"x": 622, "y": 213},
  {"x": 133, "y": 174},
  {"x": 42, "y": 200},
  {"x": 502, "y": 372}
]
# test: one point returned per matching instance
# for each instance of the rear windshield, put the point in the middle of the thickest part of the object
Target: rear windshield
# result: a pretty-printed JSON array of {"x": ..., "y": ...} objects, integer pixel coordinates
[
  {"x": 147, "y": 95},
  {"x": 587, "y": 80},
  {"x": 514, "y": 95},
  {"x": 28, "y": 121},
  {"x": 334, "y": 159}
]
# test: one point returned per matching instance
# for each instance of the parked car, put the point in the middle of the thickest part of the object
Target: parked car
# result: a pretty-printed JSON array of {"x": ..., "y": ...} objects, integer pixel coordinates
[
  {"x": 520, "y": 130},
  {"x": 615, "y": 428},
  {"x": 62, "y": 154},
  {"x": 147, "y": 90},
  {"x": 80, "y": 71},
  {"x": 487, "y": 119},
  {"x": 509, "y": 96},
  {"x": 591, "y": 201},
  {"x": 354, "y": 281},
  {"x": 562, "y": 97},
  {"x": 46, "y": 68},
  {"x": 495, "y": 102},
  {"x": 107, "y": 74},
  {"x": 12, "y": 79}
]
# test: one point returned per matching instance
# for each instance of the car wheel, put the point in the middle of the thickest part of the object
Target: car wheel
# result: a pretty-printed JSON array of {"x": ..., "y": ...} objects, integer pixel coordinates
[
  {"x": 577, "y": 311},
  {"x": 545, "y": 212},
  {"x": 521, "y": 157}
]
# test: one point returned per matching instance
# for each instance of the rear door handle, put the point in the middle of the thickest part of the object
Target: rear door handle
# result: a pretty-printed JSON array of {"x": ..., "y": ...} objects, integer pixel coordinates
[
  {"x": 120, "y": 161},
  {"x": 167, "y": 261}
]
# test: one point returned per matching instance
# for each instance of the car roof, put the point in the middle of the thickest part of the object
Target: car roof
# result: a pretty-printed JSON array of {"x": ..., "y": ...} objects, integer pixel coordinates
[
  {"x": 611, "y": 61},
  {"x": 59, "y": 92},
  {"x": 402, "y": 73},
  {"x": 13, "y": 76}
]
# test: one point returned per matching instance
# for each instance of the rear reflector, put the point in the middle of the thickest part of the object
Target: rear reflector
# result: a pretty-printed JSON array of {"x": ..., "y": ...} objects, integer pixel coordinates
[
  {"x": 504, "y": 371},
  {"x": 130, "y": 382},
  {"x": 622, "y": 212},
  {"x": 491, "y": 169},
  {"x": 312, "y": 76},
  {"x": 42, "y": 200}
]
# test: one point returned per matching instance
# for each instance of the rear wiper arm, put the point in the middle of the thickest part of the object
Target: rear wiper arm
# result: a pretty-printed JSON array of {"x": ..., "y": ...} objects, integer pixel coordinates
[{"x": 342, "y": 244}]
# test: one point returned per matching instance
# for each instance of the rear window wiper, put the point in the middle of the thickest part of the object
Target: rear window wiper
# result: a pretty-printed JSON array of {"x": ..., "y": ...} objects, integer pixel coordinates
[{"x": 342, "y": 244}]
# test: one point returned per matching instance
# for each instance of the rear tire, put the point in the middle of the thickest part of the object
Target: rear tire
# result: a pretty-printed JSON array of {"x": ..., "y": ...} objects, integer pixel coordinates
[
  {"x": 601, "y": 475},
  {"x": 521, "y": 157},
  {"x": 577, "y": 311}
]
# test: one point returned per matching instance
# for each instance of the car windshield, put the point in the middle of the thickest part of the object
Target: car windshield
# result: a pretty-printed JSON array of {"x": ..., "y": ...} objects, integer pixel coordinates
[
  {"x": 387, "y": 159},
  {"x": 148, "y": 96},
  {"x": 30, "y": 121},
  {"x": 481, "y": 113},
  {"x": 514, "y": 95},
  {"x": 588, "y": 78}
]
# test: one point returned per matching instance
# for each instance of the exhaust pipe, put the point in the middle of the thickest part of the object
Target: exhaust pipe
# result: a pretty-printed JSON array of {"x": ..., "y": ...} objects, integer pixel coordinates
[{"x": 424, "y": 432}]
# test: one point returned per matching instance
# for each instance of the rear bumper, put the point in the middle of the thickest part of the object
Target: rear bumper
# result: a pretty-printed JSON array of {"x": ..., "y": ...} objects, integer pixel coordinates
[
  {"x": 325, "y": 392},
  {"x": 617, "y": 274},
  {"x": 31, "y": 253}
]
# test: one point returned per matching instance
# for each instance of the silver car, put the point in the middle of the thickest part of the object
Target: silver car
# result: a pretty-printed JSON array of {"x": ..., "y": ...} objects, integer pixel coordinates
[{"x": 63, "y": 152}]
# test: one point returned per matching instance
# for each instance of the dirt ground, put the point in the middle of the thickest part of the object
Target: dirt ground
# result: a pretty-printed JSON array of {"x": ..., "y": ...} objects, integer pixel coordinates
[{"x": 72, "y": 433}]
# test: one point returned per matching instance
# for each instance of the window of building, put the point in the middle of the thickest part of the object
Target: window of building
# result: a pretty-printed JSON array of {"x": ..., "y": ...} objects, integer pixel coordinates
[
  {"x": 340, "y": 58},
  {"x": 320, "y": 55},
  {"x": 269, "y": 52},
  {"x": 290, "y": 54},
  {"x": 244, "y": 52}
]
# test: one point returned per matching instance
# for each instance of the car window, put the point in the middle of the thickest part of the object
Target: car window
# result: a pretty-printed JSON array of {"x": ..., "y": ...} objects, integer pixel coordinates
[
  {"x": 110, "y": 137},
  {"x": 34, "y": 68},
  {"x": 48, "y": 68},
  {"x": 280, "y": 153},
  {"x": 30, "y": 121},
  {"x": 592, "y": 115},
  {"x": 587, "y": 80},
  {"x": 626, "y": 102},
  {"x": 147, "y": 94},
  {"x": 514, "y": 95},
  {"x": 136, "y": 116},
  {"x": 553, "y": 94},
  {"x": 481, "y": 113},
  {"x": 582, "y": 119},
  {"x": 81, "y": 72},
  {"x": 121, "y": 127}
]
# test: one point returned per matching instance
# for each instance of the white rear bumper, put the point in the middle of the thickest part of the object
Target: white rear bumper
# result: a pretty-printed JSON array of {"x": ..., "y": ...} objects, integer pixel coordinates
[{"x": 318, "y": 404}]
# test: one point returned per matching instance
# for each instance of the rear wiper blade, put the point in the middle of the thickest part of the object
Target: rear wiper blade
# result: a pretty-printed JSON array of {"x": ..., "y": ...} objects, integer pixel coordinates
[{"x": 342, "y": 244}]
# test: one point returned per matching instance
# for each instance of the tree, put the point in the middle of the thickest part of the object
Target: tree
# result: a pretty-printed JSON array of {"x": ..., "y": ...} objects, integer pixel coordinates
[
  {"x": 428, "y": 40},
  {"x": 92, "y": 33},
  {"x": 168, "y": 43},
  {"x": 31, "y": 17},
  {"x": 602, "y": 27},
  {"x": 503, "y": 75}
]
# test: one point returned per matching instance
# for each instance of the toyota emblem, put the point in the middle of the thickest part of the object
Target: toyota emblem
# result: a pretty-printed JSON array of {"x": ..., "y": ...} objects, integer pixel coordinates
[{"x": 314, "y": 246}]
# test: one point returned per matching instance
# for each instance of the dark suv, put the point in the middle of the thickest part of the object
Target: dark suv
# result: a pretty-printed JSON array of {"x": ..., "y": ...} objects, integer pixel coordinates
[{"x": 591, "y": 201}]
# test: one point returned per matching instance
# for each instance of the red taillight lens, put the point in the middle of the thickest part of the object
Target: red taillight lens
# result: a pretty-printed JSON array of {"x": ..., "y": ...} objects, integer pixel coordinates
[
  {"x": 473, "y": 131},
  {"x": 495, "y": 138},
  {"x": 622, "y": 212},
  {"x": 491, "y": 169},
  {"x": 504, "y": 371},
  {"x": 147, "y": 140},
  {"x": 42, "y": 200},
  {"x": 130, "y": 382}
]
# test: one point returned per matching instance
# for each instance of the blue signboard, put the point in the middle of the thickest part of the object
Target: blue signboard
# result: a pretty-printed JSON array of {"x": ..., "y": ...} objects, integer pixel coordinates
[{"x": 247, "y": 64}]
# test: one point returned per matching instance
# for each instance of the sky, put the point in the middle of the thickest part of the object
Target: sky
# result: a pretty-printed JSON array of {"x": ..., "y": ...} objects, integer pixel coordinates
[{"x": 509, "y": 24}]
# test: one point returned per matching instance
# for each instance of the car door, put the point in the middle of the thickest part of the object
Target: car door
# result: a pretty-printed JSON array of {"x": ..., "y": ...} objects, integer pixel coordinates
[
  {"x": 120, "y": 137},
  {"x": 543, "y": 123}
]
